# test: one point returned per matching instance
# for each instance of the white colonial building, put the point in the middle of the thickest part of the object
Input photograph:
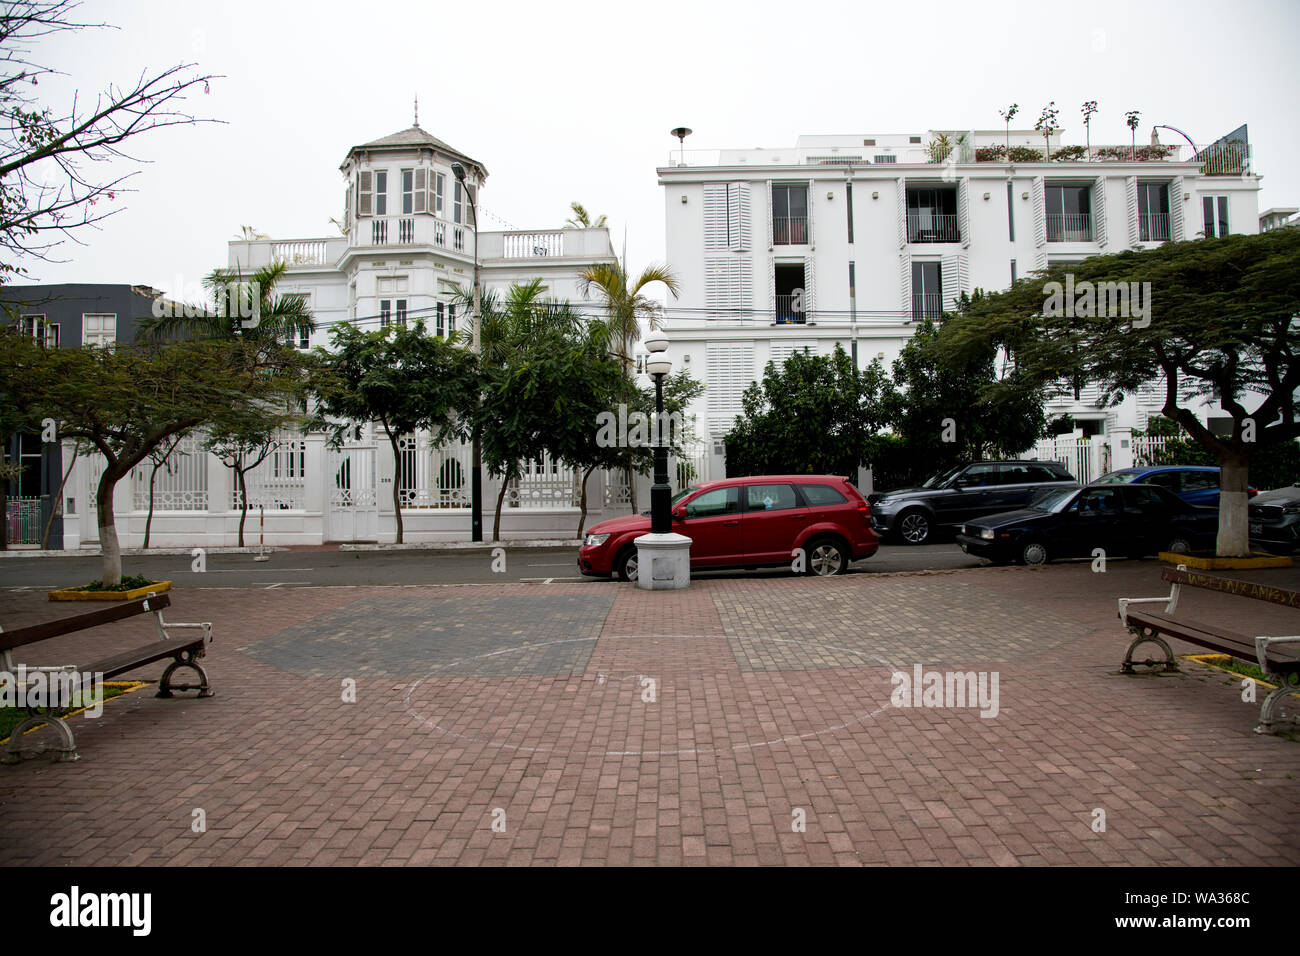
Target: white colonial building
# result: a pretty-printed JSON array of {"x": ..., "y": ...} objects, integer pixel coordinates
[
  {"x": 849, "y": 240},
  {"x": 406, "y": 250}
]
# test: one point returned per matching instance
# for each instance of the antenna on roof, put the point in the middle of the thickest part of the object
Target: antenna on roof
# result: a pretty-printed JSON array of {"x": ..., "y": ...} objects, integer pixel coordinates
[{"x": 417, "y": 109}]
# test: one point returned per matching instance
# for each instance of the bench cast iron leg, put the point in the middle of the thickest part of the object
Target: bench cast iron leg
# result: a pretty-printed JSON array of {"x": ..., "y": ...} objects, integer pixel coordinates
[
  {"x": 188, "y": 659},
  {"x": 1144, "y": 636},
  {"x": 1268, "y": 710},
  {"x": 68, "y": 752}
]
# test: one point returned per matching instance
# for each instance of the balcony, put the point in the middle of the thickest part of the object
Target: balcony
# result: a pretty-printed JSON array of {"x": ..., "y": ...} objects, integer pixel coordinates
[
  {"x": 1153, "y": 227},
  {"x": 583, "y": 244},
  {"x": 926, "y": 305},
  {"x": 789, "y": 310},
  {"x": 925, "y": 226},
  {"x": 790, "y": 231},
  {"x": 1069, "y": 227}
]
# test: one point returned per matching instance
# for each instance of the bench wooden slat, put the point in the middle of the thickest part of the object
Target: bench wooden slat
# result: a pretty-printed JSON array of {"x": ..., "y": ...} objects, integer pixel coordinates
[
  {"x": 1220, "y": 640},
  {"x": 129, "y": 660},
  {"x": 1214, "y": 582},
  {"x": 69, "y": 625}
]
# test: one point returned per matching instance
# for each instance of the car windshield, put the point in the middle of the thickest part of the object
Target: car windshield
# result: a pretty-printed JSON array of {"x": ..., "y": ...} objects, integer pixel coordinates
[
  {"x": 942, "y": 478},
  {"x": 1117, "y": 478},
  {"x": 676, "y": 498},
  {"x": 1054, "y": 500}
]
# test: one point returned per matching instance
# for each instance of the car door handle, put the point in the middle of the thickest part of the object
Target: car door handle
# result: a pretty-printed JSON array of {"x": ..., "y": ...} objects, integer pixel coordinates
[
  {"x": 798, "y": 517},
  {"x": 731, "y": 524}
]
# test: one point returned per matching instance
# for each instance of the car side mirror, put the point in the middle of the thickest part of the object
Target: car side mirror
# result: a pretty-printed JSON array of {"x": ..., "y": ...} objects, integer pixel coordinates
[
  {"x": 958, "y": 482},
  {"x": 679, "y": 512}
]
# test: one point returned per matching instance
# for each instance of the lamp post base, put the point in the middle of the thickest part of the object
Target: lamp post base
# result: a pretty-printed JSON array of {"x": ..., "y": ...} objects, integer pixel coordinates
[{"x": 663, "y": 562}]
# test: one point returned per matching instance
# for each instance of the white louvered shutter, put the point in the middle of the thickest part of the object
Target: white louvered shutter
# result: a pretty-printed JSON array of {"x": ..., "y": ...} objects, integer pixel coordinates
[
  {"x": 727, "y": 287},
  {"x": 901, "y": 195},
  {"x": 729, "y": 370},
  {"x": 1099, "y": 211},
  {"x": 1038, "y": 193},
  {"x": 810, "y": 289},
  {"x": 783, "y": 349},
  {"x": 963, "y": 212},
  {"x": 954, "y": 273},
  {"x": 905, "y": 284},
  {"x": 364, "y": 192},
  {"x": 738, "y": 228},
  {"x": 1176, "y": 209},
  {"x": 715, "y": 216},
  {"x": 1131, "y": 200},
  {"x": 421, "y": 189},
  {"x": 770, "y": 225}
]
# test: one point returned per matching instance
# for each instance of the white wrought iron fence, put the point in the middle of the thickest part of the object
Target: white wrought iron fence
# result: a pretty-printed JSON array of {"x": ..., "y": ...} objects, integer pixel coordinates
[
  {"x": 24, "y": 520},
  {"x": 180, "y": 482},
  {"x": 279, "y": 483}
]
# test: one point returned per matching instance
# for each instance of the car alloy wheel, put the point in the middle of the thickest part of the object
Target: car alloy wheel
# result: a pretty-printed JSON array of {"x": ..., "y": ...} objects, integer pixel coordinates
[
  {"x": 627, "y": 566},
  {"x": 1180, "y": 545},
  {"x": 826, "y": 558},
  {"x": 914, "y": 527},
  {"x": 1034, "y": 554}
]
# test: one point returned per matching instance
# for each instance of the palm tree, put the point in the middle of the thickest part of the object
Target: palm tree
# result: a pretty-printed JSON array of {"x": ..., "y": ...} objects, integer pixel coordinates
[
  {"x": 582, "y": 219},
  {"x": 278, "y": 319},
  {"x": 625, "y": 302}
]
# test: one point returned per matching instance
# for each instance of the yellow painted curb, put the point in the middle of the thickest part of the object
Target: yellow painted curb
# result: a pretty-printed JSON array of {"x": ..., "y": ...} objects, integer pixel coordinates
[
  {"x": 1227, "y": 564},
  {"x": 66, "y": 594},
  {"x": 1209, "y": 659},
  {"x": 130, "y": 686}
]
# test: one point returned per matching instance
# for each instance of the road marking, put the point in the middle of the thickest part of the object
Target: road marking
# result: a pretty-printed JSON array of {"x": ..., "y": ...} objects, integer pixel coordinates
[
  {"x": 248, "y": 570},
  {"x": 562, "y": 564}
]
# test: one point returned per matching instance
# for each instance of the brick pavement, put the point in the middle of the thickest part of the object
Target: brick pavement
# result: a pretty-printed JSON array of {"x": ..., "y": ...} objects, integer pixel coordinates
[{"x": 618, "y": 726}]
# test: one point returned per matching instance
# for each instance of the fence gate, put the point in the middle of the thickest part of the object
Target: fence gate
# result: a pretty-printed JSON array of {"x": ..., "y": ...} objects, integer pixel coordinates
[{"x": 351, "y": 492}]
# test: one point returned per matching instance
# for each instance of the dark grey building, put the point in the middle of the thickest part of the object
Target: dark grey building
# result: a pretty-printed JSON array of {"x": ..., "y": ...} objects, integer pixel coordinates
[{"x": 62, "y": 316}]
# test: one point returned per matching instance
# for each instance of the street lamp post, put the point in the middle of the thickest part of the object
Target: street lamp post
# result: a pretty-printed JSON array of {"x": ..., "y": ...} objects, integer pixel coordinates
[
  {"x": 476, "y": 466},
  {"x": 663, "y": 556}
]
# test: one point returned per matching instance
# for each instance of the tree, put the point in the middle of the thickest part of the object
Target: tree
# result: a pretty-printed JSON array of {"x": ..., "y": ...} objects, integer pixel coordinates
[
  {"x": 128, "y": 400},
  {"x": 1089, "y": 107},
  {"x": 49, "y": 190},
  {"x": 1008, "y": 115},
  {"x": 245, "y": 309},
  {"x": 399, "y": 376},
  {"x": 1047, "y": 125},
  {"x": 245, "y": 440},
  {"x": 160, "y": 457},
  {"x": 1132, "y": 118},
  {"x": 582, "y": 219},
  {"x": 625, "y": 302},
  {"x": 812, "y": 415},
  {"x": 1211, "y": 319}
]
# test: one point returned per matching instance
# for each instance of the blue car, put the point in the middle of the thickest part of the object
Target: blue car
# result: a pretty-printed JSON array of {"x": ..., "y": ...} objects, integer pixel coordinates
[{"x": 1195, "y": 484}]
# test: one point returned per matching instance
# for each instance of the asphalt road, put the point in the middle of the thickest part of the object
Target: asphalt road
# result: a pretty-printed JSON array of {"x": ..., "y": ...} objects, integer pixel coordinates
[{"x": 288, "y": 569}]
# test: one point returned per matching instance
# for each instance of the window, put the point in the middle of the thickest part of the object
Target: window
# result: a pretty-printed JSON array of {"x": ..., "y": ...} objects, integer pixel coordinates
[
  {"x": 820, "y": 495},
  {"x": 1165, "y": 479},
  {"x": 401, "y": 312},
  {"x": 1069, "y": 214},
  {"x": 98, "y": 328},
  {"x": 456, "y": 202},
  {"x": 440, "y": 324},
  {"x": 439, "y": 182},
  {"x": 980, "y": 476},
  {"x": 1100, "y": 501},
  {"x": 408, "y": 191},
  {"x": 719, "y": 501},
  {"x": 451, "y": 319},
  {"x": 1147, "y": 500},
  {"x": 770, "y": 498},
  {"x": 381, "y": 192},
  {"x": 385, "y": 312},
  {"x": 1011, "y": 215},
  {"x": 848, "y": 194},
  {"x": 789, "y": 215},
  {"x": 365, "y": 192},
  {"x": 927, "y": 291},
  {"x": 932, "y": 215},
  {"x": 302, "y": 339},
  {"x": 45, "y": 333},
  {"x": 1215, "y": 226},
  {"x": 1199, "y": 480},
  {"x": 790, "y": 294},
  {"x": 1153, "y": 212},
  {"x": 1013, "y": 271}
]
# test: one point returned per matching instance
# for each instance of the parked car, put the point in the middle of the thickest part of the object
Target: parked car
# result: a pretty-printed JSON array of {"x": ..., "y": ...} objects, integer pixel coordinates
[
  {"x": 1274, "y": 519},
  {"x": 1195, "y": 484},
  {"x": 946, "y": 500},
  {"x": 1125, "y": 520},
  {"x": 748, "y": 523}
]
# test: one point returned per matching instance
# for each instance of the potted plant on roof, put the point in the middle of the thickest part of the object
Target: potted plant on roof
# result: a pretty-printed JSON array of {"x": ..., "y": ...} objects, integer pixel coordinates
[
  {"x": 1007, "y": 115},
  {"x": 1047, "y": 125},
  {"x": 1089, "y": 108},
  {"x": 1131, "y": 117}
]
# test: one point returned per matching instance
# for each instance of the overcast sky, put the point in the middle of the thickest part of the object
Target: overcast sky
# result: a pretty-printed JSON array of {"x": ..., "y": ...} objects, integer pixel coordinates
[{"x": 568, "y": 100}]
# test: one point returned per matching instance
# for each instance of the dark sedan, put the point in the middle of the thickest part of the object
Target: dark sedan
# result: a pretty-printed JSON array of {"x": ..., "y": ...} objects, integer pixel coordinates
[{"x": 1123, "y": 520}]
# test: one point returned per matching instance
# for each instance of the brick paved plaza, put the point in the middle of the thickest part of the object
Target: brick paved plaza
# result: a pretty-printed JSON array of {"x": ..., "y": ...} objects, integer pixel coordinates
[{"x": 618, "y": 726}]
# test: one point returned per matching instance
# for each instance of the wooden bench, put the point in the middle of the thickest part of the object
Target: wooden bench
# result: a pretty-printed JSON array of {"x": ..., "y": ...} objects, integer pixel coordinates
[
  {"x": 1277, "y": 657},
  {"x": 184, "y": 653}
]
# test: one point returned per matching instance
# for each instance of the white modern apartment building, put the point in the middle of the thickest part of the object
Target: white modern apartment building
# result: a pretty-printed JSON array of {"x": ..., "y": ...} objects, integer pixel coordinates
[{"x": 851, "y": 239}]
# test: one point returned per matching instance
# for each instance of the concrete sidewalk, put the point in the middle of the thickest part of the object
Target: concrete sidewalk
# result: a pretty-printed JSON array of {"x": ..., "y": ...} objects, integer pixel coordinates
[{"x": 742, "y": 721}]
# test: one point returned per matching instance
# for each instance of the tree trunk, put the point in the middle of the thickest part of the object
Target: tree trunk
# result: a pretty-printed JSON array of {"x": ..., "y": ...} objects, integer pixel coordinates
[
  {"x": 582, "y": 520},
  {"x": 501, "y": 496},
  {"x": 397, "y": 483},
  {"x": 148, "y": 521},
  {"x": 631, "y": 487},
  {"x": 243, "y": 503},
  {"x": 111, "y": 552},
  {"x": 1234, "y": 529}
]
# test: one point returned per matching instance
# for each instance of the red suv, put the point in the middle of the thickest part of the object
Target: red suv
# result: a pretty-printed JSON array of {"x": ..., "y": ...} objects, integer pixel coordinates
[{"x": 748, "y": 523}]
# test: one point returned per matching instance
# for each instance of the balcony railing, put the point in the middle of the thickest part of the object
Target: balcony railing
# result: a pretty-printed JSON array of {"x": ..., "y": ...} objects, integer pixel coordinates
[
  {"x": 790, "y": 230},
  {"x": 789, "y": 310},
  {"x": 931, "y": 227},
  {"x": 926, "y": 305},
  {"x": 1153, "y": 227},
  {"x": 526, "y": 245},
  {"x": 300, "y": 252},
  {"x": 1069, "y": 227}
]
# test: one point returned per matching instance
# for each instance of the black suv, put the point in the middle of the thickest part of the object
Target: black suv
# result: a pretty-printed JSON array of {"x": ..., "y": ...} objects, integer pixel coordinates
[
  {"x": 1275, "y": 520},
  {"x": 960, "y": 494}
]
